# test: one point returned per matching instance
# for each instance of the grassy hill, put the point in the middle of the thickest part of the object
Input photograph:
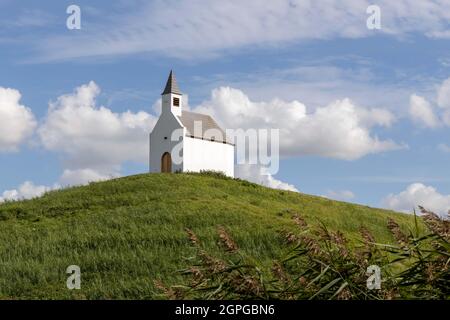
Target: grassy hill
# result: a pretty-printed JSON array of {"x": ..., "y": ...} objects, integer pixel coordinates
[{"x": 127, "y": 232}]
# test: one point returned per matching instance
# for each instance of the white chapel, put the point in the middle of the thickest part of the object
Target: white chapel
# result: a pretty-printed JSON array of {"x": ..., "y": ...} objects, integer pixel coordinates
[{"x": 187, "y": 141}]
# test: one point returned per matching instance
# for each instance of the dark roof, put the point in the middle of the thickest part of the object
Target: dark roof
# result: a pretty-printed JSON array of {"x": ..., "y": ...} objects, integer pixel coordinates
[
  {"x": 171, "y": 85},
  {"x": 188, "y": 120}
]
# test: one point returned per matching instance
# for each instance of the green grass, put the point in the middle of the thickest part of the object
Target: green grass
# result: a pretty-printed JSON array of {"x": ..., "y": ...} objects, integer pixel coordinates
[{"x": 127, "y": 232}]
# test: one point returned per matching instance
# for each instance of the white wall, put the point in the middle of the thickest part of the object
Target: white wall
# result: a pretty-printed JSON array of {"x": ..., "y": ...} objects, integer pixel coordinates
[
  {"x": 207, "y": 155},
  {"x": 166, "y": 124}
]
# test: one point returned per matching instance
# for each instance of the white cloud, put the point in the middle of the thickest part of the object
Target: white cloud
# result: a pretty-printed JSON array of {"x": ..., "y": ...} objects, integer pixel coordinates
[
  {"x": 84, "y": 176},
  {"x": 343, "y": 195},
  {"x": 340, "y": 130},
  {"x": 212, "y": 27},
  {"x": 256, "y": 174},
  {"x": 27, "y": 190},
  {"x": 443, "y": 100},
  {"x": 317, "y": 82},
  {"x": 16, "y": 121},
  {"x": 422, "y": 113},
  {"x": 94, "y": 137},
  {"x": 418, "y": 194},
  {"x": 93, "y": 140},
  {"x": 443, "y": 94},
  {"x": 28, "y": 18},
  {"x": 443, "y": 147}
]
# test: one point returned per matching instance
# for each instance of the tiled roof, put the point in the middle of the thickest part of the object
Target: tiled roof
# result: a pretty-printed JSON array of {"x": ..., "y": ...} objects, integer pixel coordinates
[{"x": 188, "y": 120}]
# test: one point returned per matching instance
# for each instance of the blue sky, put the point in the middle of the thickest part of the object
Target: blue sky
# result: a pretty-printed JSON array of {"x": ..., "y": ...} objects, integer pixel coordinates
[{"x": 389, "y": 147}]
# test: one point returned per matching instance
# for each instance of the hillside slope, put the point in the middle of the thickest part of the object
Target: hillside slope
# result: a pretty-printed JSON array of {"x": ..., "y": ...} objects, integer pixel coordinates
[{"x": 127, "y": 232}]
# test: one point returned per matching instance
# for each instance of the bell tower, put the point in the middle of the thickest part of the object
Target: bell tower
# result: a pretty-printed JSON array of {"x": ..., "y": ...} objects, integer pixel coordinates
[{"x": 172, "y": 98}]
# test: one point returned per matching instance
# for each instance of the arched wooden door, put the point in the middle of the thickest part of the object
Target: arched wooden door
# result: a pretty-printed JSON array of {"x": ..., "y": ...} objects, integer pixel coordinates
[{"x": 166, "y": 162}]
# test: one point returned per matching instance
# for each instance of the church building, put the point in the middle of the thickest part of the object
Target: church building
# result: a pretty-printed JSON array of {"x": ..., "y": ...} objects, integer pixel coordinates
[{"x": 186, "y": 141}]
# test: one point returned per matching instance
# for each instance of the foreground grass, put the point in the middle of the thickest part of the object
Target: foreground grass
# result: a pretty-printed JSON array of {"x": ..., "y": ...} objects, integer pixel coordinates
[{"x": 128, "y": 232}]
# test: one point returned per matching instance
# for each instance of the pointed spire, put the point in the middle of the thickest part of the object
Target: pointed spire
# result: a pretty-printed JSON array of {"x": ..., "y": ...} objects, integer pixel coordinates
[{"x": 171, "y": 85}]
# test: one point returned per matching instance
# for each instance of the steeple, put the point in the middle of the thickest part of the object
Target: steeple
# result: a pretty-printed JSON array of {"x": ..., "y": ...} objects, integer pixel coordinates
[
  {"x": 172, "y": 98},
  {"x": 171, "y": 85}
]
